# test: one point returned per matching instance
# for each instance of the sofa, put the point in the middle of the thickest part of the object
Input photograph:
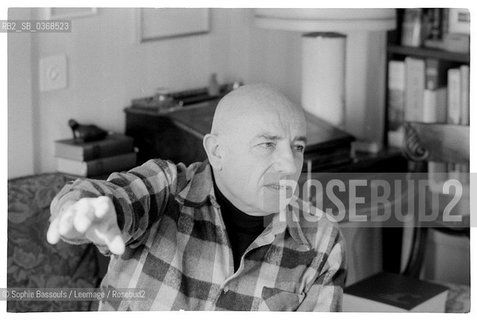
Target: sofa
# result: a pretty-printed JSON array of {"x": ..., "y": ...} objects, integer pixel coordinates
[{"x": 32, "y": 261}]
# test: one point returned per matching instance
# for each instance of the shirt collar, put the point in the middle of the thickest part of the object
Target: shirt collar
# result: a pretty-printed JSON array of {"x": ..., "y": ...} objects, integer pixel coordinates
[{"x": 200, "y": 190}]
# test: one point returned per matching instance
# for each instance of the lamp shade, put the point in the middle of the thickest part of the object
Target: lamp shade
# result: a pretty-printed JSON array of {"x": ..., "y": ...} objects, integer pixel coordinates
[{"x": 314, "y": 19}]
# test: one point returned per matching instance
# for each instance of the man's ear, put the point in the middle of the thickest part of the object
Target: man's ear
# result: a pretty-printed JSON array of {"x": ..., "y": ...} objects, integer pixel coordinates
[{"x": 214, "y": 151}]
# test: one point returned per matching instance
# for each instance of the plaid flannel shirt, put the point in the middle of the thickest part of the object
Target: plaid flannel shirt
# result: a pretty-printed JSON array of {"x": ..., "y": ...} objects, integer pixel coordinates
[{"x": 177, "y": 247}]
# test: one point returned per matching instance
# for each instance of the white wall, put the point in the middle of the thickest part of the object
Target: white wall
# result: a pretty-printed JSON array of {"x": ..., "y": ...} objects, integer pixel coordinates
[
  {"x": 20, "y": 100},
  {"x": 107, "y": 68}
]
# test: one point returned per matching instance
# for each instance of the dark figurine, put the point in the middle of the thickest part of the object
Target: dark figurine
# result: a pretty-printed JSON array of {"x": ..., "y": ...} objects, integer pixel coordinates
[{"x": 86, "y": 133}]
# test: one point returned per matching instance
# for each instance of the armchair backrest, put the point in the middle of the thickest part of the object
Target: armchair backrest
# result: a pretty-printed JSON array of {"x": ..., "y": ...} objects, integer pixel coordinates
[{"x": 437, "y": 142}]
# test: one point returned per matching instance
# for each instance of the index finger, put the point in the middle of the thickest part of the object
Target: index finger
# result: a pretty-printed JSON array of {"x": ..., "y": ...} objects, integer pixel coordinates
[{"x": 53, "y": 234}]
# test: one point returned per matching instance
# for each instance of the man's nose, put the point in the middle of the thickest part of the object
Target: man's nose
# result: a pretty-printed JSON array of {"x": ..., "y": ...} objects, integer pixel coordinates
[{"x": 285, "y": 162}]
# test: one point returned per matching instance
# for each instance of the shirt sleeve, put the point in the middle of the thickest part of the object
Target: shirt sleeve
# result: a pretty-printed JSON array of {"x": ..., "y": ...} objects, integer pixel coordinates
[
  {"x": 326, "y": 293},
  {"x": 139, "y": 196}
]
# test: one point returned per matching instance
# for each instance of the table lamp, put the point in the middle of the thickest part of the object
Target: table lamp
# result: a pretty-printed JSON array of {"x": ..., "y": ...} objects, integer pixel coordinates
[{"x": 343, "y": 63}]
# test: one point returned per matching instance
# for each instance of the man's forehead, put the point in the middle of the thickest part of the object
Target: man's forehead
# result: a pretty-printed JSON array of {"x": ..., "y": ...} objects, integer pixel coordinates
[{"x": 275, "y": 128}]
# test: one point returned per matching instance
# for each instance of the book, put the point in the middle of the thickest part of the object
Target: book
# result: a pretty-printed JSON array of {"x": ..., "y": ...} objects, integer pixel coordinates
[
  {"x": 396, "y": 89},
  {"x": 435, "y": 110},
  {"x": 434, "y": 106},
  {"x": 389, "y": 292},
  {"x": 454, "y": 96},
  {"x": 411, "y": 33},
  {"x": 445, "y": 21},
  {"x": 464, "y": 95},
  {"x": 98, "y": 166},
  {"x": 433, "y": 76},
  {"x": 113, "y": 144},
  {"x": 432, "y": 23},
  {"x": 454, "y": 112},
  {"x": 463, "y": 169},
  {"x": 415, "y": 84},
  {"x": 436, "y": 73},
  {"x": 396, "y": 138},
  {"x": 396, "y": 102}
]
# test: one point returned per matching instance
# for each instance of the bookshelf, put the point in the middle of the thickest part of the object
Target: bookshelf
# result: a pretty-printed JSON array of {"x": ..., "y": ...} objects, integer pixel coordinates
[
  {"x": 402, "y": 52},
  {"x": 411, "y": 54},
  {"x": 396, "y": 49}
]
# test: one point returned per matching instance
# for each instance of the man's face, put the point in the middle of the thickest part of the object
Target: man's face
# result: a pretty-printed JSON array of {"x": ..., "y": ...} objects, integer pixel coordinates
[{"x": 267, "y": 147}]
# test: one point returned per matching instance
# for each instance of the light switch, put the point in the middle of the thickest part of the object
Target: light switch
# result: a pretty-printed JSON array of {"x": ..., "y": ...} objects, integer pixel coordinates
[{"x": 53, "y": 72}]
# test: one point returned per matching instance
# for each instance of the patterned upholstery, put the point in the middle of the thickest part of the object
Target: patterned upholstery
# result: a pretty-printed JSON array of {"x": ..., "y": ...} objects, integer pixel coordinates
[
  {"x": 458, "y": 298},
  {"x": 32, "y": 262}
]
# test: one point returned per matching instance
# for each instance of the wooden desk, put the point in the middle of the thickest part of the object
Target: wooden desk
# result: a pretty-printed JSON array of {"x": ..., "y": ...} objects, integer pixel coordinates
[{"x": 175, "y": 135}]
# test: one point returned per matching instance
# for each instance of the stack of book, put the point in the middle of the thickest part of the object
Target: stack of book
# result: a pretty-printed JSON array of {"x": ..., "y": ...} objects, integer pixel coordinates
[
  {"x": 439, "y": 28},
  {"x": 389, "y": 292},
  {"x": 428, "y": 90},
  {"x": 95, "y": 158}
]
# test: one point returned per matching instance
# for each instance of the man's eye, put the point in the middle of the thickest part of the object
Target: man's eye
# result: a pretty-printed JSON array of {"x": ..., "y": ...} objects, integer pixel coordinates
[
  {"x": 268, "y": 145},
  {"x": 300, "y": 148}
]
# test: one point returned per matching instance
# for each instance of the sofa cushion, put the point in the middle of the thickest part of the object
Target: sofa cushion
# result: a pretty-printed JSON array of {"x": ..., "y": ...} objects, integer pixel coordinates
[{"x": 32, "y": 261}]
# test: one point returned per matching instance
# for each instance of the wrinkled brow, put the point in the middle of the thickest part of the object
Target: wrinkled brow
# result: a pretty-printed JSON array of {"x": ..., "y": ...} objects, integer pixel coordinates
[
  {"x": 267, "y": 136},
  {"x": 277, "y": 138}
]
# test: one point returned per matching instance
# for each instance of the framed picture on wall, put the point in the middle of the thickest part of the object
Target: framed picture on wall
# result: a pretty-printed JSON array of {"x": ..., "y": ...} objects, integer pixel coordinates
[
  {"x": 69, "y": 13},
  {"x": 163, "y": 23}
]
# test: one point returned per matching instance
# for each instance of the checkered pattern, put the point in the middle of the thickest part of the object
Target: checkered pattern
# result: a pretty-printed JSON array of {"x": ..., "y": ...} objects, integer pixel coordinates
[{"x": 177, "y": 247}]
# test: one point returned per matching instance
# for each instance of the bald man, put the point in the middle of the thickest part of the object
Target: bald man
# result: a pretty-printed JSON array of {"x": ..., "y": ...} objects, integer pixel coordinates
[{"x": 216, "y": 235}]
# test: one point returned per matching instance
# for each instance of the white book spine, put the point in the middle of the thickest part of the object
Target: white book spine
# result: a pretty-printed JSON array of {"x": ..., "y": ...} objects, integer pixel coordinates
[
  {"x": 434, "y": 110},
  {"x": 464, "y": 95},
  {"x": 454, "y": 96},
  {"x": 415, "y": 84},
  {"x": 396, "y": 89},
  {"x": 397, "y": 75}
]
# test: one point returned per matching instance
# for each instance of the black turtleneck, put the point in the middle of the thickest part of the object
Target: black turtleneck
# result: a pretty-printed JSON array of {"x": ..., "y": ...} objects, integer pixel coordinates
[{"x": 242, "y": 229}]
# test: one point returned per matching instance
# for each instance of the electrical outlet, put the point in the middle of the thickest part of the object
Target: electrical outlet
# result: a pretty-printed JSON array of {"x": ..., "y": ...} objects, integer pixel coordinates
[{"x": 53, "y": 73}]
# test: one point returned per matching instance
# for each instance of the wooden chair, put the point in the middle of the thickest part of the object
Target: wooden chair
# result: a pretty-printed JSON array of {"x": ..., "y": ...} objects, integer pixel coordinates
[{"x": 447, "y": 143}]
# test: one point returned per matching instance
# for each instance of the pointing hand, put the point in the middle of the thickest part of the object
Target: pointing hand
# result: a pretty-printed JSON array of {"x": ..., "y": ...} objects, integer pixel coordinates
[{"x": 93, "y": 219}]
